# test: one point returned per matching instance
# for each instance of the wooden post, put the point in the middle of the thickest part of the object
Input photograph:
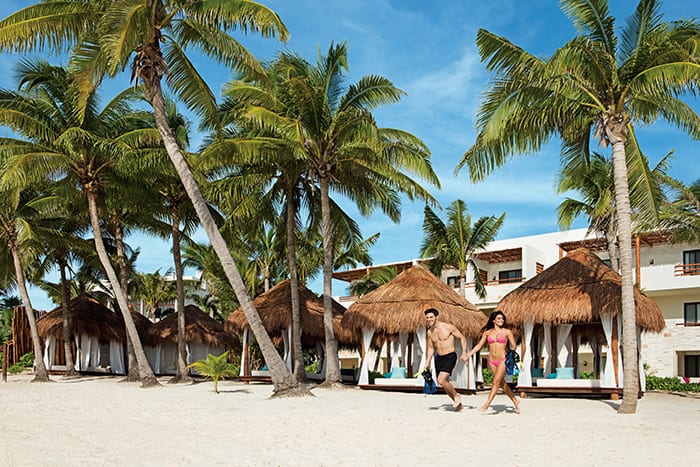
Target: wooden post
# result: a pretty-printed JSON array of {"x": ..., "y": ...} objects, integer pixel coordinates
[
  {"x": 553, "y": 352},
  {"x": 614, "y": 351},
  {"x": 409, "y": 357}
]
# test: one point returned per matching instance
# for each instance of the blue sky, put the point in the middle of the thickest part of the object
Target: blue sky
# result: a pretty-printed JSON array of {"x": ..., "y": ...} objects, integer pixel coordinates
[{"x": 428, "y": 50}]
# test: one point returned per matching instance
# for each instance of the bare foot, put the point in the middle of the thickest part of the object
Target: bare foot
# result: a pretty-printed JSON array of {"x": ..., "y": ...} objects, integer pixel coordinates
[
  {"x": 516, "y": 406},
  {"x": 483, "y": 410},
  {"x": 458, "y": 407}
]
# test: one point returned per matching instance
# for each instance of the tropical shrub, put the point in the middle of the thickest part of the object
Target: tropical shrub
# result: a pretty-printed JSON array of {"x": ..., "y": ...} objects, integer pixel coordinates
[
  {"x": 657, "y": 383},
  {"x": 25, "y": 361}
]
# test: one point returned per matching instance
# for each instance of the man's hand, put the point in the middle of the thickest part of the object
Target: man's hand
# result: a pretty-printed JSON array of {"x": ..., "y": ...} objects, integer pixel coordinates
[{"x": 465, "y": 358}]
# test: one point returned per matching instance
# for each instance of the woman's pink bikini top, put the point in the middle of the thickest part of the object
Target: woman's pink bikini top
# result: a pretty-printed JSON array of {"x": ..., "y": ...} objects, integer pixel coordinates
[{"x": 501, "y": 339}]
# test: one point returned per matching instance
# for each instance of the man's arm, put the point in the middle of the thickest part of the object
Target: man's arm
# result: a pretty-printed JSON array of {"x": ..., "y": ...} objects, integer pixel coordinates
[
  {"x": 429, "y": 350},
  {"x": 463, "y": 341}
]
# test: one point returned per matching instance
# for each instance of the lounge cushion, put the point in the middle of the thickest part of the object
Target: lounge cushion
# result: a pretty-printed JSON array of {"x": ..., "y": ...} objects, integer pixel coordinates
[{"x": 565, "y": 373}]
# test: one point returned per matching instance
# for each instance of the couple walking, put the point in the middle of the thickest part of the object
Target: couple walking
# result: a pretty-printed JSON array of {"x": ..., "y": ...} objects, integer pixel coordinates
[{"x": 440, "y": 340}]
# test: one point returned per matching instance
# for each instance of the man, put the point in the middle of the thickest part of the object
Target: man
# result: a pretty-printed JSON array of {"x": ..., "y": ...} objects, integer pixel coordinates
[{"x": 440, "y": 338}]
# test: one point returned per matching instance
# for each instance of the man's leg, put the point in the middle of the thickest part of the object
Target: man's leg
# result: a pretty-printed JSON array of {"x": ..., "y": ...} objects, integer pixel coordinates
[{"x": 444, "y": 381}]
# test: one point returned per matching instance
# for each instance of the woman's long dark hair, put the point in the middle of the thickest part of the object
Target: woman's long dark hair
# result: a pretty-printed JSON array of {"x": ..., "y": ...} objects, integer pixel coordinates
[{"x": 492, "y": 318}]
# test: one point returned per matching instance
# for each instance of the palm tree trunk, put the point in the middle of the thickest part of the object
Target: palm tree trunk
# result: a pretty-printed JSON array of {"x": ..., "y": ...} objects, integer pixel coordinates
[
  {"x": 630, "y": 391},
  {"x": 332, "y": 370},
  {"x": 133, "y": 364},
  {"x": 40, "y": 373},
  {"x": 181, "y": 375},
  {"x": 145, "y": 372},
  {"x": 282, "y": 380},
  {"x": 613, "y": 252},
  {"x": 299, "y": 372},
  {"x": 67, "y": 317}
]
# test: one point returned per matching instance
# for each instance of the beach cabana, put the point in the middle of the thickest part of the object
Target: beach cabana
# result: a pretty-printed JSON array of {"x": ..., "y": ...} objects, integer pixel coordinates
[
  {"x": 577, "y": 299},
  {"x": 203, "y": 336},
  {"x": 396, "y": 310},
  {"x": 275, "y": 310},
  {"x": 98, "y": 337}
]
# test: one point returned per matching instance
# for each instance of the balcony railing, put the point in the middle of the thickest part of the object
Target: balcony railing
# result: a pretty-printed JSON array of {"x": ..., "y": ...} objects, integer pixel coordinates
[
  {"x": 511, "y": 280},
  {"x": 692, "y": 269}
]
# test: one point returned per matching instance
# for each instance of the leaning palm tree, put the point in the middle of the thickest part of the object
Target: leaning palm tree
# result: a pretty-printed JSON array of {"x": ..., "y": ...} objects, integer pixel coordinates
[
  {"x": 17, "y": 208},
  {"x": 597, "y": 86},
  {"x": 73, "y": 148},
  {"x": 330, "y": 127},
  {"x": 454, "y": 243},
  {"x": 152, "y": 36}
]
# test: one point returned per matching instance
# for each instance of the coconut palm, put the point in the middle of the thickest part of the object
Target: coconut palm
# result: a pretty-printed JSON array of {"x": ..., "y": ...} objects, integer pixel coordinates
[
  {"x": 682, "y": 214},
  {"x": 330, "y": 127},
  {"x": 153, "y": 35},
  {"x": 598, "y": 86},
  {"x": 454, "y": 243},
  {"x": 17, "y": 208},
  {"x": 77, "y": 149},
  {"x": 373, "y": 280}
]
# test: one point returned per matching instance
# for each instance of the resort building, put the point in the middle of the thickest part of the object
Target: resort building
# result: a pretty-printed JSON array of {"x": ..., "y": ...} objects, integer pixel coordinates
[{"x": 667, "y": 273}]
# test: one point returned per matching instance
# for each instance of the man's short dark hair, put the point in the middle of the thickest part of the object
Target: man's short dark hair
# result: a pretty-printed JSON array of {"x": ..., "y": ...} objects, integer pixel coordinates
[{"x": 431, "y": 310}]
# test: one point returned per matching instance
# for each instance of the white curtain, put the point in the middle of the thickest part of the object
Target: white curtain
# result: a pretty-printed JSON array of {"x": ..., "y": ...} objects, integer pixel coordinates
[
  {"x": 525, "y": 376},
  {"x": 85, "y": 351},
  {"x": 471, "y": 370},
  {"x": 620, "y": 369},
  {"x": 49, "y": 352},
  {"x": 94, "y": 352},
  {"x": 116, "y": 357},
  {"x": 420, "y": 337},
  {"x": 608, "y": 379},
  {"x": 286, "y": 339},
  {"x": 366, "y": 341},
  {"x": 563, "y": 331},
  {"x": 403, "y": 351},
  {"x": 244, "y": 355},
  {"x": 640, "y": 360},
  {"x": 77, "y": 355},
  {"x": 459, "y": 376},
  {"x": 395, "y": 353},
  {"x": 547, "y": 351}
]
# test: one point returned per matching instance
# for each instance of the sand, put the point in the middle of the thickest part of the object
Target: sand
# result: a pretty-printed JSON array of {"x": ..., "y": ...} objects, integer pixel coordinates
[{"x": 100, "y": 421}]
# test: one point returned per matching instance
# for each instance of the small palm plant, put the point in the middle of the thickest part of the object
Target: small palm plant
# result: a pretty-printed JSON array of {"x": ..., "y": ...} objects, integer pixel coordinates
[{"x": 215, "y": 368}]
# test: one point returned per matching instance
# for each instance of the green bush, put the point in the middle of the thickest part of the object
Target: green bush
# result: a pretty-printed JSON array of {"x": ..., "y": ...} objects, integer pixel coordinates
[
  {"x": 587, "y": 375},
  {"x": 670, "y": 384},
  {"x": 488, "y": 377},
  {"x": 25, "y": 361}
]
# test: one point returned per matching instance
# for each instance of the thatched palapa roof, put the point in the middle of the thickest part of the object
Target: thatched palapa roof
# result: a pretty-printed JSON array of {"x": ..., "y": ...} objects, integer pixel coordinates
[
  {"x": 88, "y": 317},
  {"x": 398, "y": 306},
  {"x": 275, "y": 310},
  {"x": 199, "y": 327},
  {"x": 576, "y": 289}
]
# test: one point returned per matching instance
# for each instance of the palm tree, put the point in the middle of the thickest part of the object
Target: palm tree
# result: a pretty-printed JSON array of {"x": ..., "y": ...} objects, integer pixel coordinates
[
  {"x": 596, "y": 86},
  {"x": 153, "y": 35},
  {"x": 153, "y": 289},
  {"x": 17, "y": 207},
  {"x": 78, "y": 149},
  {"x": 331, "y": 128},
  {"x": 682, "y": 214},
  {"x": 453, "y": 244},
  {"x": 373, "y": 280},
  {"x": 215, "y": 367}
]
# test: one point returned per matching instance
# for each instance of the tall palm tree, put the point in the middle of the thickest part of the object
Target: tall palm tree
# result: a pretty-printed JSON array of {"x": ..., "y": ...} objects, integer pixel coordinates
[
  {"x": 331, "y": 128},
  {"x": 153, "y": 36},
  {"x": 454, "y": 243},
  {"x": 596, "y": 86},
  {"x": 78, "y": 149},
  {"x": 17, "y": 207},
  {"x": 682, "y": 214}
]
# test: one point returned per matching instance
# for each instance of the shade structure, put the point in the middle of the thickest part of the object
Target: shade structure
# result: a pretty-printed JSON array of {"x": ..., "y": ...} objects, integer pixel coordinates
[
  {"x": 203, "y": 336},
  {"x": 579, "y": 288},
  {"x": 275, "y": 310},
  {"x": 397, "y": 308},
  {"x": 578, "y": 296},
  {"x": 98, "y": 334}
]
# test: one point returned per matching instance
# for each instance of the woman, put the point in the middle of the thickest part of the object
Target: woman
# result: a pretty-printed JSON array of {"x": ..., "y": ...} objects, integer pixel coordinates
[{"x": 498, "y": 338}]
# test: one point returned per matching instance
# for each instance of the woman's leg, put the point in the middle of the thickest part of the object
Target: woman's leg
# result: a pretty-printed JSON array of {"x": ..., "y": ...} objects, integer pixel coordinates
[
  {"x": 498, "y": 378},
  {"x": 509, "y": 392}
]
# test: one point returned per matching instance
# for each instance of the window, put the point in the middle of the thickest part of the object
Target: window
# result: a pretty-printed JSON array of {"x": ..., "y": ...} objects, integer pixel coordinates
[
  {"x": 691, "y": 262},
  {"x": 510, "y": 276},
  {"x": 453, "y": 280},
  {"x": 691, "y": 313},
  {"x": 692, "y": 366}
]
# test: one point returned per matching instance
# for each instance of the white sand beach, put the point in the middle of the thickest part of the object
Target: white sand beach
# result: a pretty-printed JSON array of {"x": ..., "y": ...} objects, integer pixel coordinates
[{"x": 100, "y": 421}]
